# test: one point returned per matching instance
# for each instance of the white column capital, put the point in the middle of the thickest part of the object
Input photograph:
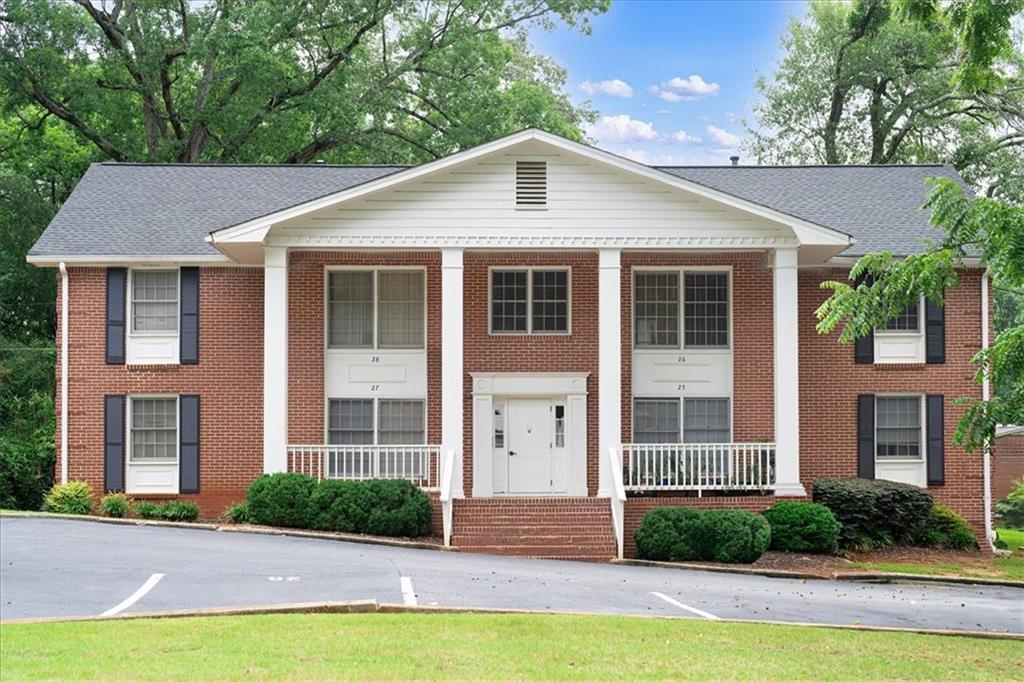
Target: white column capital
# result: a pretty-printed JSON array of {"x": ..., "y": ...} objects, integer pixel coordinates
[
  {"x": 609, "y": 258},
  {"x": 275, "y": 359}
]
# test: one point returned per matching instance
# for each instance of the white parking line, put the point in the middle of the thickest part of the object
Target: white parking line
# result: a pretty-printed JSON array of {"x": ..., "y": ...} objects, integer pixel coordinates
[
  {"x": 136, "y": 596},
  {"x": 684, "y": 607},
  {"x": 408, "y": 594}
]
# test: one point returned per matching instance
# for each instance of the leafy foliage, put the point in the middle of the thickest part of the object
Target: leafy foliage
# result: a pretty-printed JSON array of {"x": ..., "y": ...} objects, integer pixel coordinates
[
  {"x": 116, "y": 505},
  {"x": 989, "y": 229},
  {"x": 1010, "y": 511},
  {"x": 282, "y": 500},
  {"x": 377, "y": 507},
  {"x": 945, "y": 528},
  {"x": 238, "y": 513},
  {"x": 73, "y": 497},
  {"x": 803, "y": 527},
  {"x": 147, "y": 510},
  {"x": 172, "y": 510},
  {"x": 684, "y": 534},
  {"x": 874, "y": 513}
]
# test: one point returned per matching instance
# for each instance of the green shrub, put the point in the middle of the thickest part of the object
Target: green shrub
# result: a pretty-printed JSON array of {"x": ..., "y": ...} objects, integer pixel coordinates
[
  {"x": 26, "y": 472},
  {"x": 147, "y": 510},
  {"x": 174, "y": 510},
  {"x": 671, "y": 534},
  {"x": 26, "y": 422},
  {"x": 736, "y": 536},
  {"x": 73, "y": 497},
  {"x": 946, "y": 528},
  {"x": 684, "y": 534},
  {"x": 1010, "y": 511},
  {"x": 874, "y": 513},
  {"x": 116, "y": 505},
  {"x": 282, "y": 500},
  {"x": 379, "y": 507},
  {"x": 803, "y": 527},
  {"x": 238, "y": 513}
]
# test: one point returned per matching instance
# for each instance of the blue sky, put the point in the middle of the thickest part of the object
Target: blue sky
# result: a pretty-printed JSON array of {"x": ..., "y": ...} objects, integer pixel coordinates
[{"x": 670, "y": 79}]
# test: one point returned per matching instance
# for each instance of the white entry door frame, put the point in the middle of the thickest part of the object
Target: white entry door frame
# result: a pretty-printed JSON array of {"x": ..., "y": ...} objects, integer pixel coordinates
[{"x": 520, "y": 399}]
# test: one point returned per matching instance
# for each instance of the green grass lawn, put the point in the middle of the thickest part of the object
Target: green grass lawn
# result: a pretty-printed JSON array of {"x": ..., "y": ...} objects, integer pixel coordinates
[
  {"x": 1013, "y": 538},
  {"x": 484, "y": 646},
  {"x": 1008, "y": 568}
]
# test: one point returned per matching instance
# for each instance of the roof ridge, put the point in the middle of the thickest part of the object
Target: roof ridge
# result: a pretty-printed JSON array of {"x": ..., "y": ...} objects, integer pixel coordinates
[
  {"x": 250, "y": 165},
  {"x": 811, "y": 165}
]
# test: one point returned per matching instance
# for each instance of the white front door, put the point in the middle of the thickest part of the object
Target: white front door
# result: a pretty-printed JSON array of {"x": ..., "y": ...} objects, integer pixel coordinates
[{"x": 529, "y": 445}]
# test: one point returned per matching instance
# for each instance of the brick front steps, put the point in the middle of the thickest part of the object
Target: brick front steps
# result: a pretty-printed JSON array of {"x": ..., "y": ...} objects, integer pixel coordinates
[{"x": 541, "y": 527}]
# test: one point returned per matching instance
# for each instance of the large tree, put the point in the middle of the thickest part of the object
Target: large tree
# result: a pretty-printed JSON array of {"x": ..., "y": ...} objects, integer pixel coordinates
[
  {"x": 283, "y": 80},
  {"x": 875, "y": 81}
]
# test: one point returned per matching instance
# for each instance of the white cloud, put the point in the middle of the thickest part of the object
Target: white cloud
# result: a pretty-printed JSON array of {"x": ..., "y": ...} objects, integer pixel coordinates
[
  {"x": 683, "y": 137},
  {"x": 677, "y": 89},
  {"x": 663, "y": 111},
  {"x": 621, "y": 128},
  {"x": 731, "y": 117},
  {"x": 613, "y": 87},
  {"x": 648, "y": 159},
  {"x": 723, "y": 137}
]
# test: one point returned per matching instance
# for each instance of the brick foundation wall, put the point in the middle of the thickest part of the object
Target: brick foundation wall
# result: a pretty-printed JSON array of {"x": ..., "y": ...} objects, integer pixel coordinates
[
  {"x": 228, "y": 379},
  {"x": 306, "y": 342},
  {"x": 575, "y": 352}
]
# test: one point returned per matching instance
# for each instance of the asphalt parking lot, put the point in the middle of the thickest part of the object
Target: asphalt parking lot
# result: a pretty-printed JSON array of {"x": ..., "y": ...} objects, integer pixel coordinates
[{"x": 53, "y": 567}]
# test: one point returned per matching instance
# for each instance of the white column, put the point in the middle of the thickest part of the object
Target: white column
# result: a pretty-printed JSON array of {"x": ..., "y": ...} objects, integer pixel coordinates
[
  {"x": 275, "y": 359},
  {"x": 451, "y": 362},
  {"x": 609, "y": 366},
  {"x": 787, "y": 378}
]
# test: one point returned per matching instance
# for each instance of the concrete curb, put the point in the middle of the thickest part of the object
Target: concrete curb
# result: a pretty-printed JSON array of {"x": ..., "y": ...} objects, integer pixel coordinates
[
  {"x": 240, "y": 528},
  {"x": 880, "y": 577},
  {"x": 372, "y": 606},
  {"x": 714, "y": 568}
]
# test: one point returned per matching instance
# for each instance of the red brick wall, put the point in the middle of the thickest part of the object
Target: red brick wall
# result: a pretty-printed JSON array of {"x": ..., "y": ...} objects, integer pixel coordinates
[
  {"x": 306, "y": 341},
  {"x": 1007, "y": 464},
  {"x": 575, "y": 352},
  {"x": 228, "y": 379},
  {"x": 753, "y": 388},
  {"x": 830, "y": 382}
]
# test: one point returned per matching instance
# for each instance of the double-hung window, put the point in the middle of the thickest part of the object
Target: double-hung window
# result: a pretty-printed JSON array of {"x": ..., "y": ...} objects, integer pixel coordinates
[
  {"x": 154, "y": 430},
  {"x": 530, "y": 301},
  {"x": 692, "y": 420},
  {"x": 375, "y": 422},
  {"x": 688, "y": 309},
  {"x": 898, "y": 427},
  {"x": 907, "y": 321},
  {"x": 154, "y": 300},
  {"x": 375, "y": 309}
]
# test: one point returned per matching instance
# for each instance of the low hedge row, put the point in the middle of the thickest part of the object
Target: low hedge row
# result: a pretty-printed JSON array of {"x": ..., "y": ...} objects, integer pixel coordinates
[
  {"x": 685, "y": 534},
  {"x": 377, "y": 507}
]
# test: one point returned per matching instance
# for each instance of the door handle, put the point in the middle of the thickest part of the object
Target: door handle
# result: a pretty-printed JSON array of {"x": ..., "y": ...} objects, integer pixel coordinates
[{"x": 511, "y": 453}]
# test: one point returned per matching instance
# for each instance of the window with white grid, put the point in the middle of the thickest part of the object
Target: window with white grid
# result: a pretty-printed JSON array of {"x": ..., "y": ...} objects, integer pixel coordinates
[
  {"x": 401, "y": 422},
  {"x": 656, "y": 309},
  {"x": 706, "y": 420},
  {"x": 656, "y": 420},
  {"x": 350, "y": 422},
  {"x": 154, "y": 300},
  {"x": 706, "y": 310},
  {"x": 400, "y": 309},
  {"x": 509, "y": 301},
  {"x": 907, "y": 321},
  {"x": 898, "y": 427},
  {"x": 550, "y": 301},
  {"x": 154, "y": 429},
  {"x": 350, "y": 309}
]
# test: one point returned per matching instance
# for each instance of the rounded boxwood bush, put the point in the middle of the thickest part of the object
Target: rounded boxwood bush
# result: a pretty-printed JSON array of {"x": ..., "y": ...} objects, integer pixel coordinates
[
  {"x": 282, "y": 500},
  {"x": 73, "y": 497},
  {"x": 874, "y": 513},
  {"x": 946, "y": 528},
  {"x": 399, "y": 509},
  {"x": 671, "y": 534},
  {"x": 341, "y": 505},
  {"x": 116, "y": 505},
  {"x": 735, "y": 536},
  {"x": 803, "y": 527}
]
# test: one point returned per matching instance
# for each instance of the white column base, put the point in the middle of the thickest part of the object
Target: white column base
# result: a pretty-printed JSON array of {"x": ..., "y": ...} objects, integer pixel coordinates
[{"x": 790, "y": 490}]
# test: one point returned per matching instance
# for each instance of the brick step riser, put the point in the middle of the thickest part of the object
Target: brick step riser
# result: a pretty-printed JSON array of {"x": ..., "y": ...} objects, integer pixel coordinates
[
  {"x": 546, "y": 552},
  {"x": 563, "y": 538}
]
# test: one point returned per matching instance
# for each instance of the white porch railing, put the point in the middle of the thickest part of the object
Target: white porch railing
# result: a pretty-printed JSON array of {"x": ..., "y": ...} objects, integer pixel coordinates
[
  {"x": 618, "y": 501},
  {"x": 416, "y": 463},
  {"x": 698, "y": 466}
]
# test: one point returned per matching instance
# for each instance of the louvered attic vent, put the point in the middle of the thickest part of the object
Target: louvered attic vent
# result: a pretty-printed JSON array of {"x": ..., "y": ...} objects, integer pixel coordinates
[{"x": 531, "y": 184}]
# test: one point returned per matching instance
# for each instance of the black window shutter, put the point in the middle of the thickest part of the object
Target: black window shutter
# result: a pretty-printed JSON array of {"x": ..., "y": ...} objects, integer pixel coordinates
[
  {"x": 189, "y": 328},
  {"x": 935, "y": 430},
  {"x": 188, "y": 435},
  {"x": 117, "y": 280},
  {"x": 865, "y": 436},
  {"x": 864, "y": 349},
  {"x": 935, "y": 333},
  {"x": 113, "y": 443}
]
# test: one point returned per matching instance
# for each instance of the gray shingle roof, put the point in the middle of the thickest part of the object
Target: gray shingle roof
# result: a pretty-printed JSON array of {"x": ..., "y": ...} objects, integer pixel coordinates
[{"x": 124, "y": 209}]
